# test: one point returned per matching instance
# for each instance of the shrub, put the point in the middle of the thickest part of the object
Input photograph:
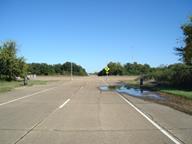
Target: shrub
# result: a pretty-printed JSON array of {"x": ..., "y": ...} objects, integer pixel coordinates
[{"x": 176, "y": 75}]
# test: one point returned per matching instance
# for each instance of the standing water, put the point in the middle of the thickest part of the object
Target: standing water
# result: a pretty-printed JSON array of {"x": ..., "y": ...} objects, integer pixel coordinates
[{"x": 136, "y": 92}]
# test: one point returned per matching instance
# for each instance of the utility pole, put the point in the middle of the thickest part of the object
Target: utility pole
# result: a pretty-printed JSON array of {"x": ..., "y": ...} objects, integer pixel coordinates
[{"x": 71, "y": 71}]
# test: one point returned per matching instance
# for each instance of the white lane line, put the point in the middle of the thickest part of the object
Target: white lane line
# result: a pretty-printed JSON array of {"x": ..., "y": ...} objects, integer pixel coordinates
[
  {"x": 152, "y": 122},
  {"x": 39, "y": 92},
  {"x": 61, "y": 106}
]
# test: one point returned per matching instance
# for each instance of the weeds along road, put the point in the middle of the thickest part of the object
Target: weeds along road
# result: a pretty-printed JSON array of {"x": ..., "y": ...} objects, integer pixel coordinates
[{"x": 77, "y": 112}]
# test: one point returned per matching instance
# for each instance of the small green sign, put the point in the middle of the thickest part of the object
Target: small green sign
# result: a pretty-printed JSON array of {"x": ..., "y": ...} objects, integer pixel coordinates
[{"x": 107, "y": 70}]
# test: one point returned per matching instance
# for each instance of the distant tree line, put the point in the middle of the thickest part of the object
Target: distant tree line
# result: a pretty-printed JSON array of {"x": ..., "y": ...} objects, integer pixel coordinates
[
  {"x": 177, "y": 75},
  {"x": 127, "y": 69},
  {"x": 56, "y": 69},
  {"x": 12, "y": 66}
]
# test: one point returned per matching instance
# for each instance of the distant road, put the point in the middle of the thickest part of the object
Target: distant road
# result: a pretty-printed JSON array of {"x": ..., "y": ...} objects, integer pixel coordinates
[{"x": 77, "y": 112}]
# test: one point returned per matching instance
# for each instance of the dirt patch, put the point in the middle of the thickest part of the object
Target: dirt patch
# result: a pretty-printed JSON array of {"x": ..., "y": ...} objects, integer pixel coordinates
[{"x": 176, "y": 102}]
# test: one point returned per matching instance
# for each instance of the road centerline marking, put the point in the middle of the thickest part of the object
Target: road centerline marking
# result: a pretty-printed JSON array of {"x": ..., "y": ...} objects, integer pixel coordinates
[
  {"x": 61, "y": 106},
  {"x": 26, "y": 96},
  {"x": 165, "y": 132}
]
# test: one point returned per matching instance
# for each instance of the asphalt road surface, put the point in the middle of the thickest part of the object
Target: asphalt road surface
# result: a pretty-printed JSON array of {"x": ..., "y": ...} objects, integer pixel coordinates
[{"x": 77, "y": 112}]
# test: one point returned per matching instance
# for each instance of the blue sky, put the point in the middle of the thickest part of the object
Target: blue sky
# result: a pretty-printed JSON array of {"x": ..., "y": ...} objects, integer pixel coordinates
[{"x": 95, "y": 32}]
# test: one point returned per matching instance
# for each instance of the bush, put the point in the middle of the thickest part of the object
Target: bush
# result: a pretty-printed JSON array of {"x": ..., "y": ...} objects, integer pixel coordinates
[{"x": 179, "y": 75}]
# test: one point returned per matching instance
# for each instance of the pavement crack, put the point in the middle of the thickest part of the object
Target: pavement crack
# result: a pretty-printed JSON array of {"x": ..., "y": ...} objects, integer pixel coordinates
[
  {"x": 28, "y": 132},
  {"x": 37, "y": 124}
]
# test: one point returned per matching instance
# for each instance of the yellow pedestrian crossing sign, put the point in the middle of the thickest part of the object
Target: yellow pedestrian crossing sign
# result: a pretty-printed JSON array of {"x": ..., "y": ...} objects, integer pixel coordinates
[{"x": 107, "y": 70}]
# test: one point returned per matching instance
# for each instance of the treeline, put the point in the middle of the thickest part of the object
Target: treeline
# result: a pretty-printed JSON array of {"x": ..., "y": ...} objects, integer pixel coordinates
[
  {"x": 12, "y": 66},
  {"x": 177, "y": 75},
  {"x": 56, "y": 69},
  {"x": 127, "y": 69}
]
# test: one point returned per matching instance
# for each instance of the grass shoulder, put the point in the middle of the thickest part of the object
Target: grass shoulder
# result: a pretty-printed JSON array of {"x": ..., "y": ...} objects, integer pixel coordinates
[{"x": 10, "y": 85}]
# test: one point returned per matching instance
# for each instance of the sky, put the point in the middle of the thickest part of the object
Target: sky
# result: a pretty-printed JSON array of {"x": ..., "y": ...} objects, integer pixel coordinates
[{"x": 94, "y": 32}]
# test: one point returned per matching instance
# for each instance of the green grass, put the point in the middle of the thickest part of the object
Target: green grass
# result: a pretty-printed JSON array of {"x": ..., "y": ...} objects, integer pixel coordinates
[
  {"x": 163, "y": 89},
  {"x": 37, "y": 82},
  {"x": 9, "y": 85},
  {"x": 182, "y": 93}
]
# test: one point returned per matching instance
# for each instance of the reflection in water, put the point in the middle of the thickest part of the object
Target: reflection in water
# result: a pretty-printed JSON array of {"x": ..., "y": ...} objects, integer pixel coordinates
[
  {"x": 136, "y": 92},
  {"x": 141, "y": 90}
]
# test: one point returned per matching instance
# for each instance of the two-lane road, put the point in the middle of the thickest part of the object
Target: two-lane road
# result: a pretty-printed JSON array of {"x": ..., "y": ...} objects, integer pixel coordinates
[{"x": 76, "y": 112}]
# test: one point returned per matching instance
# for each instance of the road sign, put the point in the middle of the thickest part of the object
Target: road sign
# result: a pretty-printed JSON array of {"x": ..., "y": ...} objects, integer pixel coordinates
[{"x": 107, "y": 70}]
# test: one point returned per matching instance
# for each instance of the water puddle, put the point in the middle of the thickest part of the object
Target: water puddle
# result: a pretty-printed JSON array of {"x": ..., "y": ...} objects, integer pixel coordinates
[{"x": 135, "y": 92}]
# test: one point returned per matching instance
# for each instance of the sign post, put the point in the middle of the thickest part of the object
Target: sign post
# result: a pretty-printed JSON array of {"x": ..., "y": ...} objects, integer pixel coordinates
[{"x": 71, "y": 71}]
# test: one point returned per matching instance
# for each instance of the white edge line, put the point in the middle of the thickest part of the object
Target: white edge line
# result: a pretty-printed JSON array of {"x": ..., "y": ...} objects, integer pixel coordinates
[
  {"x": 61, "y": 106},
  {"x": 1, "y": 104},
  {"x": 151, "y": 121}
]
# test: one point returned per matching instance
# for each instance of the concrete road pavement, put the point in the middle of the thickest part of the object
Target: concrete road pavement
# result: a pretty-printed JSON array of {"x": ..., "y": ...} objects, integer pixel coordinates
[{"x": 76, "y": 112}]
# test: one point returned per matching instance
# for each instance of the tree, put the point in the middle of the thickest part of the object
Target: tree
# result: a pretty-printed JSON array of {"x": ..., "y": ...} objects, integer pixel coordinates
[
  {"x": 178, "y": 75},
  {"x": 41, "y": 69},
  {"x": 58, "y": 68},
  {"x": 115, "y": 68},
  {"x": 136, "y": 69},
  {"x": 185, "y": 52},
  {"x": 77, "y": 69},
  {"x": 11, "y": 65},
  {"x": 21, "y": 68},
  {"x": 127, "y": 69}
]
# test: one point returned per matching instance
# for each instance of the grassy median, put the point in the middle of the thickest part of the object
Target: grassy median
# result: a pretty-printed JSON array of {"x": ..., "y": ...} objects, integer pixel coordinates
[{"x": 9, "y": 85}]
